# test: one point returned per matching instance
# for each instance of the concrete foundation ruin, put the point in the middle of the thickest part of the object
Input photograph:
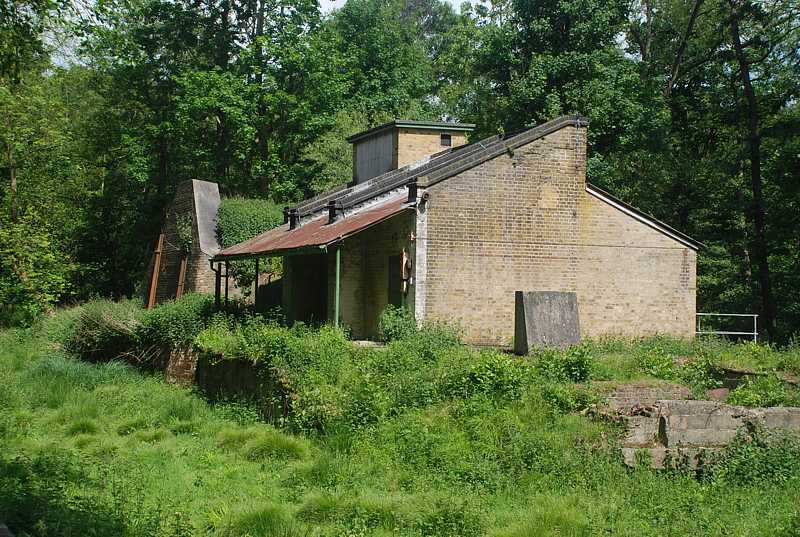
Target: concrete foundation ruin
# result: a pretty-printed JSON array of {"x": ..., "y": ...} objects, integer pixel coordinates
[{"x": 687, "y": 432}]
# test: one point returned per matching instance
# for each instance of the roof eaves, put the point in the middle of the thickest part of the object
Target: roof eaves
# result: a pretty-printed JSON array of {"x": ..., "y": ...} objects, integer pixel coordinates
[
  {"x": 645, "y": 218},
  {"x": 247, "y": 249},
  {"x": 311, "y": 248}
]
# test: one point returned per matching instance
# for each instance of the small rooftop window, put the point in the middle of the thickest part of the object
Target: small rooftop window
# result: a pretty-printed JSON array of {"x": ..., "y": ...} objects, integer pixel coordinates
[{"x": 445, "y": 140}]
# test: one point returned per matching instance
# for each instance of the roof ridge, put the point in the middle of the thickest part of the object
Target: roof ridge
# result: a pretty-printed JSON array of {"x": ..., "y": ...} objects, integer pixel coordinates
[
  {"x": 439, "y": 167},
  {"x": 318, "y": 202},
  {"x": 503, "y": 145}
]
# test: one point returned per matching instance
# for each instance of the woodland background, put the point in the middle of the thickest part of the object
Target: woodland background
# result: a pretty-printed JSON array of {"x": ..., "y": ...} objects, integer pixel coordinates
[{"x": 106, "y": 105}]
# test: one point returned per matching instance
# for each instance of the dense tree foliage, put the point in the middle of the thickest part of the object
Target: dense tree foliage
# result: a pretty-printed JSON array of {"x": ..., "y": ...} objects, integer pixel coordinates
[{"x": 693, "y": 107}]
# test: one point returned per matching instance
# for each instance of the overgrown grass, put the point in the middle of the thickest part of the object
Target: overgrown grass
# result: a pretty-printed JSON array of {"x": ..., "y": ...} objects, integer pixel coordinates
[{"x": 426, "y": 437}]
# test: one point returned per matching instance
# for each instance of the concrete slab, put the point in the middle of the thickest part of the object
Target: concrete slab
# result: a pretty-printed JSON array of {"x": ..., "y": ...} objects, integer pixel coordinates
[
  {"x": 641, "y": 431},
  {"x": 545, "y": 319}
]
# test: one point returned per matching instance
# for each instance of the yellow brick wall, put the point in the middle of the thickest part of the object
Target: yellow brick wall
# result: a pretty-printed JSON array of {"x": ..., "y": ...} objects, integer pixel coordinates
[
  {"x": 415, "y": 144},
  {"x": 633, "y": 280},
  {"x": 522, "y": 221},
  {"x": 365, "y": 273},
  {"x": 508, "y": 224}
]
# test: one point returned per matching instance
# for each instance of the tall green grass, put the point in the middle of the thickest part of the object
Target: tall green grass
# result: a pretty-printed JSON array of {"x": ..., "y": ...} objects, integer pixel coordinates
[{"x": 426, "y": 437}]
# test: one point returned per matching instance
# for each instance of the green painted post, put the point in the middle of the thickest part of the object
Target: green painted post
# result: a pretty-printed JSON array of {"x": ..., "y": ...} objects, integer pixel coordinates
[
  {"x": 337, "y": 286},
  {"x": 255, "y": 290}
]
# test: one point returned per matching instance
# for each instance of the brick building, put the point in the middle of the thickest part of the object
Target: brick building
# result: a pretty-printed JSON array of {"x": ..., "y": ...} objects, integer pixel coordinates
[
  {"x": 452, "y": 230},
  {"x": 188, "y": 240}
]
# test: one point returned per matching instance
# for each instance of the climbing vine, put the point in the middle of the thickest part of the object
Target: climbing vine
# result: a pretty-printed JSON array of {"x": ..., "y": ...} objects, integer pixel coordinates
[{"x": 185, "y": 232}]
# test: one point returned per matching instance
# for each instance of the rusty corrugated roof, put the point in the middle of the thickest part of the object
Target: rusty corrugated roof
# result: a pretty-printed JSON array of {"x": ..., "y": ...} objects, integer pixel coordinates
[{"x": 316, "y": 233}]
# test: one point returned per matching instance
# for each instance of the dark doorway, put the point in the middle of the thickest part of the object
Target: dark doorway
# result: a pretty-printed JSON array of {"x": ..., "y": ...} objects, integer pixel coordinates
[
  {"x": 310, "y": 288},
  {"x": 395, "y": 281}
]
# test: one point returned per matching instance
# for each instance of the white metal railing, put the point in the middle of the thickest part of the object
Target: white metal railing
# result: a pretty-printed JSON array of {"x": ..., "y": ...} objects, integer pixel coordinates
[{"x": 754, "y": 333}]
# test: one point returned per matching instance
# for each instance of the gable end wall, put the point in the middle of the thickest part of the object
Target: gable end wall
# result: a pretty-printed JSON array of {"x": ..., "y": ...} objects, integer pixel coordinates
[
  {"x": 508, "y": 224},
  {"x": 199, "y": 276},
  {"x": 634, "y": 280},
  {"x": 524, "y": 221}
]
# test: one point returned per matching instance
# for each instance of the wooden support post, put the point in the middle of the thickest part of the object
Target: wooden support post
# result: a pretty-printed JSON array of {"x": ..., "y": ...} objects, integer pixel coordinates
[
  {"x": 151, "y": 299},
  {"x": 217, "y": 285},
  {"x": 182, "y": 276},
  {"x": 255, "y": 291},
  {"x": 337, "y": 287},
  {"x": 227, "y": 271}
]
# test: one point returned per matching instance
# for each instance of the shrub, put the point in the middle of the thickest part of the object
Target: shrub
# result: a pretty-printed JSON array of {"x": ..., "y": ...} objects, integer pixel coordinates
[
  {"x": 497, "y": 375},
  {"x": 299, "y": 368},
  {"x": 573, "y": 364},
  {"x": 567, "y": 398},
  {"x": 763, "y": 390},
  {"x": 365, "y": 402},
  {"x": 34, "y": 496},
  {"x": 57, "y": 327},
  {"x": 240, "y": 219},
  {"x": 700, "y": 373},
  {"x": 759, "y": 456},
  {"x": 789, "y": 359},
  {"x": 53, "y": 494},
  {"x": 34, "y": 272},
  {"x": 431, "y": 340},
  {"x": 178, "y": 322},
  {"x": 219, "y": 337},
  {"x": 106, "y": 330},
  {"x": 396, "y": 322},
  {"x": 657, "y": 362}
]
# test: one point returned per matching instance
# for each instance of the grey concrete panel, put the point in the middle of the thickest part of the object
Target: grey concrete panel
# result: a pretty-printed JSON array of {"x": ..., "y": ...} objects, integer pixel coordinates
[
  {"x": 206, "y": 203},
  {"x": 545, "y": 319}
]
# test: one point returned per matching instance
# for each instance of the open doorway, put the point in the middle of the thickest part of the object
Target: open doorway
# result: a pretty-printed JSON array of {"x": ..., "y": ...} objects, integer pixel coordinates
[{"x": 310, "y": 292}]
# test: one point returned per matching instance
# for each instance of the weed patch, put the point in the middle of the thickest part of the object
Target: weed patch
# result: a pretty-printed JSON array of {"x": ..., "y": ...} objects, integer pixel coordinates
[{"x": 424, "y": 437}]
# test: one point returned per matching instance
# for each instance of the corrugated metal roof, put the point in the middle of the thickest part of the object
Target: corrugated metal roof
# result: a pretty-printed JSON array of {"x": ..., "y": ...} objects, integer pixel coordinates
[{"x": 314, "y": 234}]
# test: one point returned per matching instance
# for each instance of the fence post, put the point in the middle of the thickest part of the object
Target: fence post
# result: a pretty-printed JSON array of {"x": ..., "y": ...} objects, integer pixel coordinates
[{"x": 755, "y": 328}]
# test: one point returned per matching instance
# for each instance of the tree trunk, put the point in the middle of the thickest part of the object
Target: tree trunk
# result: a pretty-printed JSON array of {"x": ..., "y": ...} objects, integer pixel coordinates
[
  {"x": 676, "y": 64},
  {"x": 760, "y": 251},
  {"x": 163, "y": 165},
  {"x": 12, "y": 172},
  {"x": 259, "y": 47},
  {"x": 261, "y": 131}
]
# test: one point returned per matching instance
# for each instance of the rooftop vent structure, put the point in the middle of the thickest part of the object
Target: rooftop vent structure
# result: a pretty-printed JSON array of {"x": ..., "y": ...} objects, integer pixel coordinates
[{"x": 402, "y": 142}]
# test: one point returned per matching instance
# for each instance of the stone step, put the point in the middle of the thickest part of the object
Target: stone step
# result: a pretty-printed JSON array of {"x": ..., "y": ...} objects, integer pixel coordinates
[
  {"x": 710, "y": 423},
  {"x": 625, "y": 398},
  {"x": 641, "y": 431}
]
